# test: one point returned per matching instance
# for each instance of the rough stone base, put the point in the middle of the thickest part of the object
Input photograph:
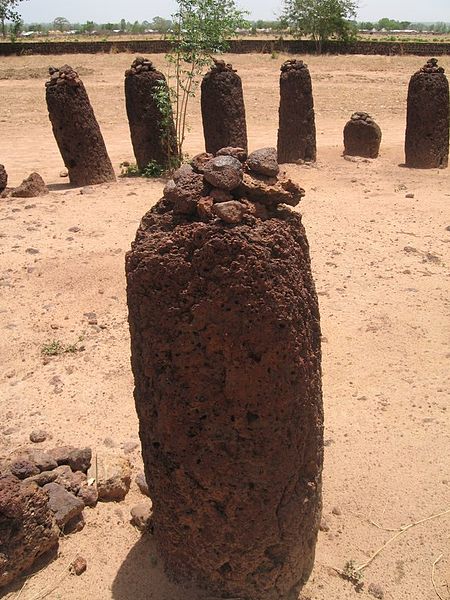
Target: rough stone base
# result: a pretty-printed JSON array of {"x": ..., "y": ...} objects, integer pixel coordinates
[{"x": 362, "y": 136}]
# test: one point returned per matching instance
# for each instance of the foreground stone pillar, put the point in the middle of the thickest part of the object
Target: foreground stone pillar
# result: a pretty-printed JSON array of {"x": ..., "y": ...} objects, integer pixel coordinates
[
  {"x": 223, "y": 109},
  {"x": 297, "y": 128},
  {"x": 76, "y": 129},
  {"x": 427, "y": 122},
  {"x": 362, "y": 136},
  {"x": 152, "y": 132},
  {"x": 3, "y": 178},
  {"x": 225, "y": 342}
]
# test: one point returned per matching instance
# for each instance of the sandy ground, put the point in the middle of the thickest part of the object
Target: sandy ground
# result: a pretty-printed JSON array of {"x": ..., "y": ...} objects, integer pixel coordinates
[{"x": 381, "y": 263}]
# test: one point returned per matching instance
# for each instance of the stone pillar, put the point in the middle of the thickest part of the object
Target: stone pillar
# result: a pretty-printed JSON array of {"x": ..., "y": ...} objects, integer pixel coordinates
[
  {"x": 362, "y": 136},
  {"x": 297, "y": 128},
  {"x": 427, "y": 122},
  {"x": 152, "y": 132},
  {"x": 76, "y": 129},
  {"x": 225, "y": 342},
  {"x": 223, "y": 109},
  {"x": 3, "y": 178}
]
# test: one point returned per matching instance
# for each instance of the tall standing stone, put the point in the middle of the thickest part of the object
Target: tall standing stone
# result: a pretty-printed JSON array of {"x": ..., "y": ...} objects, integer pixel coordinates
[
  {"x": 297, "y": 128},
  {"x": 223, "y": 109},
  {"x": 225, "y": 342},
  {"x": 76, "y": 129},
  {"x": 362, "y": 136},
  {"x": 3, "y": 178},
  {"x": 152, "y": 130},
  {"x": 427, "y": 122}
]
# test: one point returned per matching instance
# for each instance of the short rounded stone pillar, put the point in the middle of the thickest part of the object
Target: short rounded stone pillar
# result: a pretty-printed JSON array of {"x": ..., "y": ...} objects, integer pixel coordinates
[
  {"x": 152, "y": 131},
  {"x": 223, "y": 109},
  {"x": 362, "y": 136},
  {"x": 225, "y": 343},
  {"x": 427, "y": 121},
  {"x": 297, "y": 128},
  {"x": 3, "y": 178},
  {"x": 76, "y": 130}
]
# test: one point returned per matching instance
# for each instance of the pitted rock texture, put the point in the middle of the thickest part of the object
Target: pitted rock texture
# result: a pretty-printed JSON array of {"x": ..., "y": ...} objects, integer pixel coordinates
[
  {"x": 31, "y": 187},
  {"x": 297, "y": 129},
  {"x": 27, "y": 527},
  {"x": 152, "y": 134},
  {"x": 3, "y": 178},
  {"x": 76, "y": 130},
  {"x": 223, "y": 109},
  {"x": 362, "y": 136},
  {"x": 427, "y": 121},
  {"x": 225, "y": 342}
]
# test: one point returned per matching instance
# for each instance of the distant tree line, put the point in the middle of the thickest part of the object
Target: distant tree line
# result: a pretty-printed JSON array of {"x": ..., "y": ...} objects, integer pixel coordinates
[{"x": 392, "y": 25}]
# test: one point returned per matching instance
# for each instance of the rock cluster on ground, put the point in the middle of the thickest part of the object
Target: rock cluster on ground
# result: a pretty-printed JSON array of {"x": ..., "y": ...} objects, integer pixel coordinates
[
  {"x": 152, "y": 131},
  {"x": 43, "y": 493},
  {"x": 230, "y": 188},
  {"x": 362, "y": 136},
  {"x": 428, "y": 118},
  {"x": 76, "y": 129},
  {"x": 223, "y": 108},
  {"x": 297, "y": 128},
  {"x": 225, "y": 342}
]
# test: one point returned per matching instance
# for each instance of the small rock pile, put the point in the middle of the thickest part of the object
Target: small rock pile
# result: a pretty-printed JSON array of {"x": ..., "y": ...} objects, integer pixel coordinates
[
  {"x": 43, "y": 493},
  {"x": 3, "y": 178},
  {"x": 61, "y": 75},
  {"x": 229, "y": 186},
  {"x": 431, "y": 66},
  {"x": 362, "y": 136},
  {"x": 31, "y": 187},
  {"x": 140, "y": 65}
]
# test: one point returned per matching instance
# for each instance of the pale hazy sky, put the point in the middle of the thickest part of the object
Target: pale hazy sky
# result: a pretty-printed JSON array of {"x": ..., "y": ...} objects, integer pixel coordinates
[{"x": 103, "y": 11}]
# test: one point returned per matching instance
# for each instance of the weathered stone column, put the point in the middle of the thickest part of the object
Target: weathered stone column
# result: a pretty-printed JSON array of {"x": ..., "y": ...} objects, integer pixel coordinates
[
  {"x": 297, "y": 128},
  {"x": 223, "y": 109},
  {"x": 3, "y": 178},
  {"x": 76, "y": 129},
  {"x": 152, "y": 132},
  {"x": 427, "y": 122},
  {"x": 225, "y": 342},
  {"x": 362, "y": 136}
]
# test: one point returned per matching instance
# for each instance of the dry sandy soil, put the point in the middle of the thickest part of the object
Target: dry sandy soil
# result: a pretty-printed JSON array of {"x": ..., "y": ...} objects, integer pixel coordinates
[{"x": 381, "y": 263}]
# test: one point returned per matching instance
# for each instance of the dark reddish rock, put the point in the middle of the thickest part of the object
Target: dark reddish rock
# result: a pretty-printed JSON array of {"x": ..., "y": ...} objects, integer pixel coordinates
[
  {"x": 362, "y": 136},
  {"x": 297, "y": 128},
  {"x": 27, "y": 527},
  {"x": 182, "y": 172},
  {"x": 89, "y": 495},
  {"x": 225, "y": 345},
  {"x": 152, "y": 134},
  {"x": 70, "y": 480},
  {"x": 205, "y": 208},
  {"x": 79, "y": 459},
  {"x": 23, "y": 468},
  {"x": 40, "y": 460},
  {"x": 220, "y": 195},
  {"x": 223, "y": 110},
  {"x": 264, "y": 162},
  {"x": 186, "y": 192},
  {"x": 428, "y": 121},
  {"x": 30, "y": 187},
  {"x": 3, "y": 178},
  {"x": 61, "y": 454},
  {"x": 238, "y": 153},
  {"x": 229, "y": 212},
  {"x": 112, "y": 476},
  {"x": 64, "y": 505},
  {"x": 75, "y": 525},
  {"x": 199, "y": 161},
  {"x": 42, "y": 478},
  {"x": 76, "y": 130},
  {"x": 223, "y": 172},
  {"x": 79, "y": 565}
]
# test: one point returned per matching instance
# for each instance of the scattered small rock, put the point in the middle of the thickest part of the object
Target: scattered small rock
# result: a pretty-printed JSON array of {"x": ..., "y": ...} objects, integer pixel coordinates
[
  {"x": 38, "y": 435},
  {"x": 79, "y": 565},
  {"x": 24, "y": 469},
  {"x": 112, "y": 475},
  {"x": 64, "y": 173},
  {"x": 336, "y": 511},
  {"x": 376, "y": 591},
  {"x": 74, "y": 229},
  {"x": 87, "y": 190},
  {"x": 89, "y": 495},
  {"x": 230, "y": 212},
  {"x": 31, "y": 187},
  {"x": 79, "y": 459},
  {"x": 409, "y": 195},
  {"x": 264, "y": 162},
  {"x": 42, "y": 478},
  {"x": 223, "y": 172},
  {"x": 141, "y": 515},
  {"x": 324, "y": 525},
  {"x": 129, "y": 447}
]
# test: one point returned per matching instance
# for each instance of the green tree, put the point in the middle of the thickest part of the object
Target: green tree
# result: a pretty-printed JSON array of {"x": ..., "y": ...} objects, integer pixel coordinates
[
  {"x": 123, "y": 25},
  {"x": 201, "y": 28},
  {"x": 321, "y": 19},
  {"x": 61, "y": 24},
  {"x": 9, "y": 12},
  {"x": 161, "y": 25}
]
